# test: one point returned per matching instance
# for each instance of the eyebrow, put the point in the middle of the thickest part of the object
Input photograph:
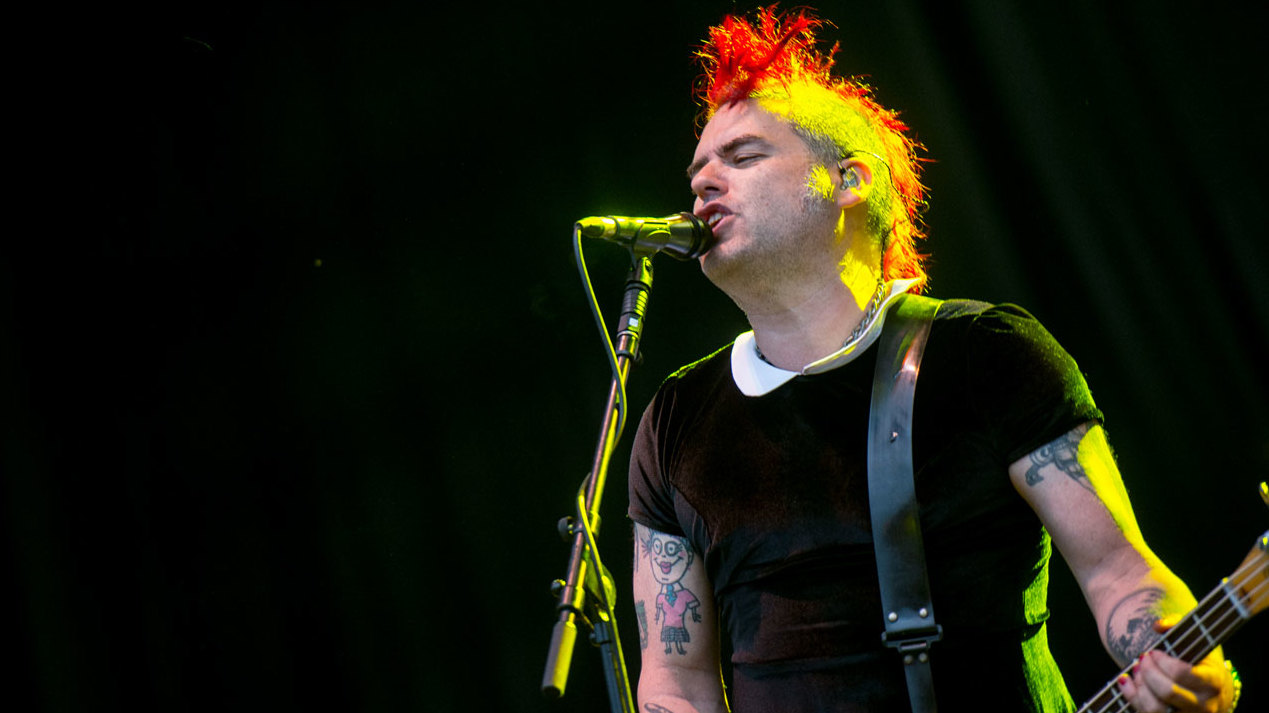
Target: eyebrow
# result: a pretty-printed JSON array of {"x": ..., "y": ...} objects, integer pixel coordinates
[{"x": 726, "y": 149}]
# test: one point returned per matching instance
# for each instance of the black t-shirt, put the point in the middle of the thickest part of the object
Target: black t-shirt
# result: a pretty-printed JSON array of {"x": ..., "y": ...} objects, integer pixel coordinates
[{"x": 772, "y": 492}]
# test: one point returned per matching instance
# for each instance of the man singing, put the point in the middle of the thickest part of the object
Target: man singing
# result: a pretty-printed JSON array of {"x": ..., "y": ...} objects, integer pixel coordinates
[{"x": 752, "y": 461}]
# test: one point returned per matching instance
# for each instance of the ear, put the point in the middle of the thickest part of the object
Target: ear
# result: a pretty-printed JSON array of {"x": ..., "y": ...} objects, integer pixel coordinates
[{"x": 854, "y": 184}]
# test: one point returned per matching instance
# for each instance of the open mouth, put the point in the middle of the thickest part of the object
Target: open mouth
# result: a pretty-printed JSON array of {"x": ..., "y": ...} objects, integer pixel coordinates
[
  {"x": 714, "y": 214},
  {"x": 716, "y": 221}
]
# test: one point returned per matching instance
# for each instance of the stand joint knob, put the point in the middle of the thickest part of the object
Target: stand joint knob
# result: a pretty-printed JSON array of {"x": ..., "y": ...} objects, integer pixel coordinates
[{"x": 565, "y": 527}]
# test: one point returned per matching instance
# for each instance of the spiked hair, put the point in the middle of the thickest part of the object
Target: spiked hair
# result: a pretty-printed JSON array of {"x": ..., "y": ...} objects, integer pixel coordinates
[{"x": 774, "y": 60}]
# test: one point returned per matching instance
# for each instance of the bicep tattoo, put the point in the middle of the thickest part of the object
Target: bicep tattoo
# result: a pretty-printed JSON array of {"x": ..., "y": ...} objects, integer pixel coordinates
[
  {"x": 641, "y": 614},
  {"x": 670, "y": 557},
  {"x": 1130, "y": 626},
  {"x": 1062, "y": 455}
]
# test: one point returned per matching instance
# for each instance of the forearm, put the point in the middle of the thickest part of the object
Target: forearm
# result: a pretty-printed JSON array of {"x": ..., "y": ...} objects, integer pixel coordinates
[
  {"x": 1138, "y": 591},
  {"x": 681, "y": 691}
]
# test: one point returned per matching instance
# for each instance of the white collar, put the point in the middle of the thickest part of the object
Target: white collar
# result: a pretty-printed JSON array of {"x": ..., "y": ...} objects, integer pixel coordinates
[{"x": 755, "y": 377}]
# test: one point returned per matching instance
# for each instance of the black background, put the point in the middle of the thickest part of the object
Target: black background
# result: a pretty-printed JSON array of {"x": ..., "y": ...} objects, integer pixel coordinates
[{"x": 298, "y": 374}]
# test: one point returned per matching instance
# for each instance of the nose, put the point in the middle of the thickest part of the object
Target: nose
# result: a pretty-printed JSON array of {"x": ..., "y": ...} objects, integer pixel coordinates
[{"x": 708, "y": 182}]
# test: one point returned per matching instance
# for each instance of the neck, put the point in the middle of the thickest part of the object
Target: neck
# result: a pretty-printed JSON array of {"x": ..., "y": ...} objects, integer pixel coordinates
[{"x": 797, "y": 332}]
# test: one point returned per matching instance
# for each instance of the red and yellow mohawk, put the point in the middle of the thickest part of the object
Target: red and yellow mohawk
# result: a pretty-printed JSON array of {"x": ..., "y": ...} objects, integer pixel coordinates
[
  {"x": 774, "y": 60},
  {"x": 739, "y": 56}
]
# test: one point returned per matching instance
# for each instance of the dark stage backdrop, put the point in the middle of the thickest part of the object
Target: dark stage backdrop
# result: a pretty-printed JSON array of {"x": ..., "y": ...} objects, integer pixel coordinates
[{"x": 298, "y": 375}]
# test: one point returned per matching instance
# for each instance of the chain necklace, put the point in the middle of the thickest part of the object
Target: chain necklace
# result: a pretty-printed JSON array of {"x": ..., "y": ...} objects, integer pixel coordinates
[{"x": 870, "y": 313}]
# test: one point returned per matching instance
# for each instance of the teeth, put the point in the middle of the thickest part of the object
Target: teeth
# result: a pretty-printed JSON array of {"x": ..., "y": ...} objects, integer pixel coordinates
[{"x": 713, "y": 219}]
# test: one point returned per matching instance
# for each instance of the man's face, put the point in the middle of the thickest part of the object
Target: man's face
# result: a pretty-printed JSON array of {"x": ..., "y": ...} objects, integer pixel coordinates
[{"x": 752, "y": 177}]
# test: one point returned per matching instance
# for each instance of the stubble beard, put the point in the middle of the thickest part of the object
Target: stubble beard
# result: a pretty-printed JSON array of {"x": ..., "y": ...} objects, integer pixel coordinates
[{"x": 776, "y": 255}]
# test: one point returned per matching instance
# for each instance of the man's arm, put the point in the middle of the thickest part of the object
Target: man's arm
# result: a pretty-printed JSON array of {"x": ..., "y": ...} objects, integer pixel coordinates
[
  {"x": 678, "y": 627},
  {"x": 1074, "y": 487}
]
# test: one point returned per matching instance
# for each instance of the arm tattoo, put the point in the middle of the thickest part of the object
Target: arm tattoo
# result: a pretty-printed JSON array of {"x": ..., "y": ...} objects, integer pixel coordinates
[
  {"x": 642, "y": 615},
  {"x": 1061, "y": 453},
  {"x": 670, "y": 558},
  {"x": 1130, "y": 626}
]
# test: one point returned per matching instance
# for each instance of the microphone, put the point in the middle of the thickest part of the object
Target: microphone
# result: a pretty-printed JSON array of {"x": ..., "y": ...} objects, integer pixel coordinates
[{"x": 682, "y": 236}]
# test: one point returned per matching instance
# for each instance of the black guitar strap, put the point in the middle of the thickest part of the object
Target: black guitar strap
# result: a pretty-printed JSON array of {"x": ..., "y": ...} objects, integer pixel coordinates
[{"x": 896, "y": 528}]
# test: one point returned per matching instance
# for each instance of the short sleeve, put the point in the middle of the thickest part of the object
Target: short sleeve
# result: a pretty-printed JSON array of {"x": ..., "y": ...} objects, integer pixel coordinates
[
  {"x": 651, "y": 499},
  {"x": 1024, "y": 385}
]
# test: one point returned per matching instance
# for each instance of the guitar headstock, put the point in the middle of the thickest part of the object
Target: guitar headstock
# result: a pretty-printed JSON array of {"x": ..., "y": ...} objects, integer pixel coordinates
[{"x": 1250, "y": 582}]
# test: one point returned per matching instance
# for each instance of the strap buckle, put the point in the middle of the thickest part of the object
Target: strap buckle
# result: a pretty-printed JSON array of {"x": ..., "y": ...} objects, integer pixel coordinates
[{"x": 913, "y": 644}]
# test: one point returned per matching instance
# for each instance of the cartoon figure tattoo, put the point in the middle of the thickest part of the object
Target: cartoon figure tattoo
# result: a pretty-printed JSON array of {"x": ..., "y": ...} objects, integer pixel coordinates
[{"x": 670, "y": 558}]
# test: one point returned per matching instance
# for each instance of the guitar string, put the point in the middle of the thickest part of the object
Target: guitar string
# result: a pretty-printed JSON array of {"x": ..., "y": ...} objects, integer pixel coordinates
[
  {"x": 1222, "y": 626},
  {"x": 1228, "y": 619}
]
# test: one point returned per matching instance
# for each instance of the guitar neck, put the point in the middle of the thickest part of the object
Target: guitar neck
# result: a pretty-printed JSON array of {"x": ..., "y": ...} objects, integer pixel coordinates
[{"x": 1214, "y": 620}]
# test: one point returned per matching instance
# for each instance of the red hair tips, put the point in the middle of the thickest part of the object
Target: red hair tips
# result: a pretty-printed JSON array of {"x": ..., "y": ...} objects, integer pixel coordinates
[{"x": 739, "y": 56}]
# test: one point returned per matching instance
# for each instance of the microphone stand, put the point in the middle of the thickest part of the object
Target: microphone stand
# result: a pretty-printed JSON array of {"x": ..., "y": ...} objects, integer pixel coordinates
[{"x": 587, "y": 593}]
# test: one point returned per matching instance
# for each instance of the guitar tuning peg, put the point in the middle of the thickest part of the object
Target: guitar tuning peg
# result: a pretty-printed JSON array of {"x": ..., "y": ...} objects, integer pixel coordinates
[{"x": 1264, "y": 492}]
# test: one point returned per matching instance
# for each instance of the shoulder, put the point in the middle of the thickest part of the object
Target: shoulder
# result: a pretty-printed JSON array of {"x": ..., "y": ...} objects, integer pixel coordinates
[
  {"x": 984, "y": 323},
  {"x": 701, "y": 365},
  {"x": 686, "y": 388},
  {"x": 1005, "y": 367},
  {"x": 1003, "y": 346},
  {"x": 700, "y": 373},
  {"x": 968, "y": 312},
  {"x": 971, "y": 312},
  {"x": 1011, "y": 328}
]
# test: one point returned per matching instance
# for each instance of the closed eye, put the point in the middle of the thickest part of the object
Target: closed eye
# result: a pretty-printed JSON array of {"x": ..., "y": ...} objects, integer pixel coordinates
[{"x": 738, "y": 150}]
